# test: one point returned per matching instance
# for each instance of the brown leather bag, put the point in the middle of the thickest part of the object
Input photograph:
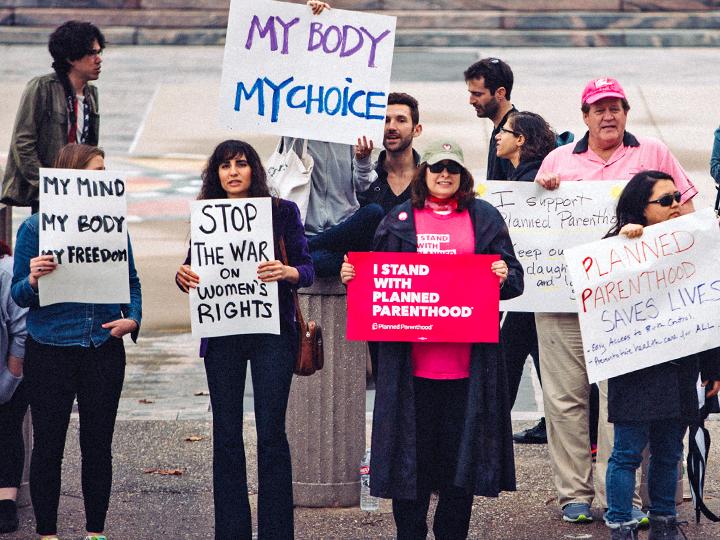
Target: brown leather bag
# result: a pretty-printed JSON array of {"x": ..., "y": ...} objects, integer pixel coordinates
[{"x": 310, "y": 357}]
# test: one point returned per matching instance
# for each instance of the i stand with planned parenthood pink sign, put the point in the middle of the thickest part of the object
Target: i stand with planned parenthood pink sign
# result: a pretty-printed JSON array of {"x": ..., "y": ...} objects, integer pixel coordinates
[{"x": 420, "y": 297}]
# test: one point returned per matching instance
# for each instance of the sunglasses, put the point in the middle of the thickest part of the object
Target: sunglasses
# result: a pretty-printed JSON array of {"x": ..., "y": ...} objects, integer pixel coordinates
[
  {"x": 452, "y": 167},
  {"x": 667, "y": 200}
]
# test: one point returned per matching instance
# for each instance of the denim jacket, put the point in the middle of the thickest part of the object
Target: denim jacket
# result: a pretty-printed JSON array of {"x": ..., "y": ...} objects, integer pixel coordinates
[{"x": 67, "y": 323}]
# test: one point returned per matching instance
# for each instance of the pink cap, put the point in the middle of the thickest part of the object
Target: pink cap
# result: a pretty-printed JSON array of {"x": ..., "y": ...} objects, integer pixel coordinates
[{"x": 598, "y": 89}]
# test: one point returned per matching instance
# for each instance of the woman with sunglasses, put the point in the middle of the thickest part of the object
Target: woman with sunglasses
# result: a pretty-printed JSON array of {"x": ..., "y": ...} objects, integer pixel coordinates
[
  {"x": 654, "y": 405},
  {"x": 442, "y": 417}
]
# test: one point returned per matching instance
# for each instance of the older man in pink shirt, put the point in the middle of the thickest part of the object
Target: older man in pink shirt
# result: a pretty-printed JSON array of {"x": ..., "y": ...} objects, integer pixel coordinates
[{"x": 606, "y": 152}]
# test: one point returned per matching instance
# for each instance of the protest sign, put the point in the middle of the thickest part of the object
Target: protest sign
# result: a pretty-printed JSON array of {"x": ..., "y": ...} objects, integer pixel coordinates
[
  {"x": 542, "y": 225},
  {"x": 418, "y": 297},
  {"x": 648, "y": 300},
  {"x": 229, "y": 239},
  {"x": 289, "y": 72},
  {"x": 82, "y": 222}
]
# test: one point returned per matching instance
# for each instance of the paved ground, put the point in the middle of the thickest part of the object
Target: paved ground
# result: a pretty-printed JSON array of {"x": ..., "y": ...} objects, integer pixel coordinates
[{"x": 158, "y": 122}]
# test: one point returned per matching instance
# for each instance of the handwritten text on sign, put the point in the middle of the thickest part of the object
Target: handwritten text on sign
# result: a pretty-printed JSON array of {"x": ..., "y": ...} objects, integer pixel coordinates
[
  {"x": 417, "y": 297},
  {"x": 229, "y": 238},
  {"x": 648, "y": 300},
  {"x": 83, "y": 225},
  {"x": 542, "y": 224},
  {"x": 289, "y": 72}
]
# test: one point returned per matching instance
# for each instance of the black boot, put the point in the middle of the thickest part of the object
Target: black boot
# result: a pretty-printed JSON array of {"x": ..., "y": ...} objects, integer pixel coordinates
[
  {"x": 666, "y": 528},
  {"x": 624, "y": 532},
  {"x": 8, "y": 516},
  {"x": 535, "y": 435}
]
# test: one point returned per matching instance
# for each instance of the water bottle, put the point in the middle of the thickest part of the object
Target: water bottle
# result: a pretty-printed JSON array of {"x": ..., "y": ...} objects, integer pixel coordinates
[{"x": 368, "y": 503}]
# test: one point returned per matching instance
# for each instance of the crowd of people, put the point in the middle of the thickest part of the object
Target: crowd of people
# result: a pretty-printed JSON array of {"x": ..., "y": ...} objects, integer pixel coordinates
[{"x": 441, "y": 422}]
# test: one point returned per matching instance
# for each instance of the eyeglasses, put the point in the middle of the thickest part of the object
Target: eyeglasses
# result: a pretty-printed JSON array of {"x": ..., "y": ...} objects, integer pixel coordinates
[
  {"x": 510, "y": 131},
  {"x": 667, "y": 200},
  {"x": 451, "y": 166},
  {"x": 94, "y": 52}
]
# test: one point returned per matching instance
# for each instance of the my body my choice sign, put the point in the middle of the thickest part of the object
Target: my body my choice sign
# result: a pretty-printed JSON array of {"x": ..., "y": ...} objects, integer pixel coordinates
[
  {"x": 417, "y": 297},
  {"x": 289, "y": 72},
  {"x": 648, "y": 300}
]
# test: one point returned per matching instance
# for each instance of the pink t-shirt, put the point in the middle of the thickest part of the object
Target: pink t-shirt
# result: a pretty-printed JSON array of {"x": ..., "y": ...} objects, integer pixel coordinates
[
  {"x": 451, "y": 233},
  {"x": 649, "y": 154}
]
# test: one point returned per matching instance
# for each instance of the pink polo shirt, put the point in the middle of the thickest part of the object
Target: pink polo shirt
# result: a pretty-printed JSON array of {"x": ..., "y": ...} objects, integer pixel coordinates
[
  {"x": 448, "y": 234},
  {"x": 578, "y": 162}
]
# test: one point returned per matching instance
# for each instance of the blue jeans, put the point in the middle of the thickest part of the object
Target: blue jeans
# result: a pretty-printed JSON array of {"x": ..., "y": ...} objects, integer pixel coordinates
[
  {"x": 356, "y": 233},
  {"x": 272, "y": 367},
  {"x": 666, "y": 449}
]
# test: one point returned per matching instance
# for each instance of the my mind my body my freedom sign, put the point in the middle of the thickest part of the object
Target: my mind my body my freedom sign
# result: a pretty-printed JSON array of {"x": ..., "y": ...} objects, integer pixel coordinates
[
  {"x": 648, "y": 300},
  {"x": 82, "y": 221},
  {"x": 288, "y": 72},
  {"x": 229, "y": 238},
  {"x": 542, "y": 225}
]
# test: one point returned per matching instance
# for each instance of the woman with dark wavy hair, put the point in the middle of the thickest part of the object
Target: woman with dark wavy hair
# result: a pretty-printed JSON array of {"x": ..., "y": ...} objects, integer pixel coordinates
[
  {"x": 234, "y": 171},
  {"x": 654, "y": 405},
  {"x": 525, "y": 139},
  {"x": 442, "y": 417}
]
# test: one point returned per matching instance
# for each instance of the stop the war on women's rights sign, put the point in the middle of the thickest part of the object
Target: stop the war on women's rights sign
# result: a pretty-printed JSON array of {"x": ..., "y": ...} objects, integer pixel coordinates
[
  {"x": 83, "y": 224},
  {"x": 542, "y": 225},
  {"x": 229, "y": 238},
  {"x": 648, "y": 300},
  {"x": 288, "y": 72},
  {"x": 418, "y": 297}
]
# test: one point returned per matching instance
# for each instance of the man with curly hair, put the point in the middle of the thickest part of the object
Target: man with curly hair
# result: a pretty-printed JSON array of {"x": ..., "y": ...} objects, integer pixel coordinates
[{"x": 55, "y": 109}]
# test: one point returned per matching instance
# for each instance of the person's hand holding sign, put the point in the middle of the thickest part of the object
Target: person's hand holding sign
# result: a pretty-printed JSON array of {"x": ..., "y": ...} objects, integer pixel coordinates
[
  {"x": 548, "y": 180},
  {"x": 317, "y": 6},
  {"x": 276, "y": 271},
  {"x": 500, "y": 269},
  {"x": 40, "y": 266},
  {"x": 632, "y": 230},
  {"x": 186, "y": 278},
  {"x": 347, "y": 271}
]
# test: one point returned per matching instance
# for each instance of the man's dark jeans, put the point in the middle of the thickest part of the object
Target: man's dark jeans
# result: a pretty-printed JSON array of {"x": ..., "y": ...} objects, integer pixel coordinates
[
  {"x": 272, "y": 367},
  {"x": 356, "y": 233}
]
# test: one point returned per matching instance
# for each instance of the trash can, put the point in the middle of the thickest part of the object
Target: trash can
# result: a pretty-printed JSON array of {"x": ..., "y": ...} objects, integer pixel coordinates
[{"x": 326, "y": 411}]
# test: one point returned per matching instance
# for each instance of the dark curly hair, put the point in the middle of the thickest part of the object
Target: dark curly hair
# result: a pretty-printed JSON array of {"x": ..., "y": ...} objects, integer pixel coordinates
[
  {"x": 419, "y": 190},
  {"x": 226, "y": 150},
  {"x": 539, "y": 136},
  {"x": 634, "y": 199},
  {"x": 71, "y": 41}
]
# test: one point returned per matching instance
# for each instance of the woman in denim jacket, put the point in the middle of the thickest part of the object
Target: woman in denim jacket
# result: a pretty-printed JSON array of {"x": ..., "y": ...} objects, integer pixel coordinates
[
  {"x": 234, "y": 171},
  {"x": 72, "y": 350}
]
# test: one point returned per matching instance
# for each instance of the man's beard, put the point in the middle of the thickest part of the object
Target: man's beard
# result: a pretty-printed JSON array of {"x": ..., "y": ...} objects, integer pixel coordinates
[
  {"x": 403, "y": 144},
  {"x": 490, "y": 110}
]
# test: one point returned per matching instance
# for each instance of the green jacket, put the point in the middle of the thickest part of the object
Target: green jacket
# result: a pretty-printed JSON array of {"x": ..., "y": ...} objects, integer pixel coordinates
[{"x": 40, "y": 131}]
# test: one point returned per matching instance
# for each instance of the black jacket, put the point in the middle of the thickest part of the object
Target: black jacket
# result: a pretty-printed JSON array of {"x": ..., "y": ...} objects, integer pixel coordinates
[
  {"x": 375, "y": 193},
  {"x": 525, "y": 171},
  {"x": 662, "y": 392},
  {"x": 485, "y": 458}
]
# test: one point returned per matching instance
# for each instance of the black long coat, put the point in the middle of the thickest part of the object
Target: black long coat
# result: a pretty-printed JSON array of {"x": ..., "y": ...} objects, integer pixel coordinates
[
  {"x": 662, "y": 392},
  {"x": 486, "y": 463}
]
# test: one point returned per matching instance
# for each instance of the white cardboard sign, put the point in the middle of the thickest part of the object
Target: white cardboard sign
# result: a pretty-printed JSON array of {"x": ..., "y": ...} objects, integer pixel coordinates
[
  {"x": 83, "y": 223},
  {"x": 229, "y": 238},
  {"x": 648, "y": 300},
  {"x": 542, "y": 225},
  {"x": 289, "y": 72}
]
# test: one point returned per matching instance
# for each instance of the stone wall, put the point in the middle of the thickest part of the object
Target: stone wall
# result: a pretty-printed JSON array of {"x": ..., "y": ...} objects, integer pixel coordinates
[{"x": 466, "y": 23}]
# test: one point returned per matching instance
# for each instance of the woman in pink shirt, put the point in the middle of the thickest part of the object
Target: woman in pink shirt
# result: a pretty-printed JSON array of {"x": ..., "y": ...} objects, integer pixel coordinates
[{"x": 442, "y": 415}]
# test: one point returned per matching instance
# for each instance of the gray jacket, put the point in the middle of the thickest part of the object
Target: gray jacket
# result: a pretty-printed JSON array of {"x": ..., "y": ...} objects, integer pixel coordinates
[
  {"x": 12, "y": 331},
  {"x": 333, "y": 194}
]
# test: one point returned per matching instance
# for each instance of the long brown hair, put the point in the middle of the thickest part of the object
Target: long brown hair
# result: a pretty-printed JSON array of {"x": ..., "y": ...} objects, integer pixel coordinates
[
  {"x": 76, "y": 156},
  {"x": 419, "y": 190},
  {"x": 211, "y": 187}
]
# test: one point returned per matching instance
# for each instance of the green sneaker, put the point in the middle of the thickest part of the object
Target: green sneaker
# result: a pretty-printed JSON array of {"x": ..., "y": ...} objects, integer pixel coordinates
[
  {"x": 577, "y": 513},
  {"x": 641, "y": 517},
  {"x": 95, "y": 537}
]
